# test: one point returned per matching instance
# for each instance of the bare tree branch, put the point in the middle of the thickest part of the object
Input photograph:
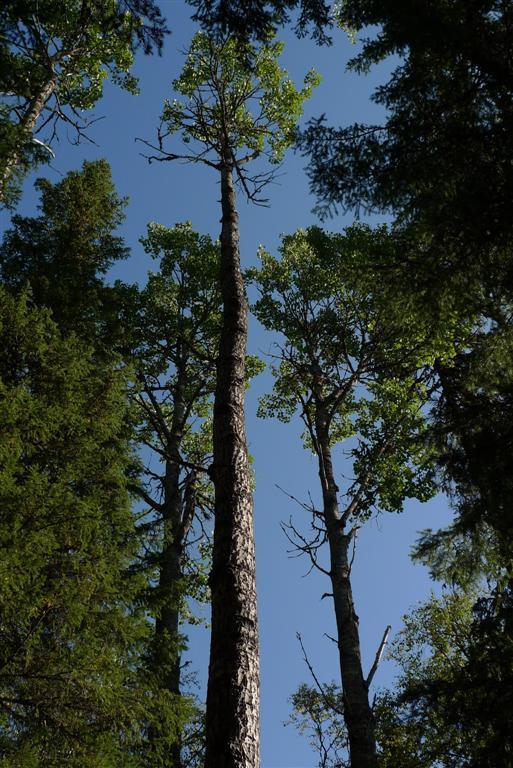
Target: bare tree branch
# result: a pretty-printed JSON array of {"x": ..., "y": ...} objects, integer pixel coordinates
[
  {"x": 379, "y": 654},
  {"x": 329, "y": 703}
]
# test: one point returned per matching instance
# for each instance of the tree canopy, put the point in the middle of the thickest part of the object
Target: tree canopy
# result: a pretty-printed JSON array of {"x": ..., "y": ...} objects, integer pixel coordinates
[
  {"x": 126, "y": 482},
  {"x": 54, "y": 58},
  {"x": 70, "y": 630},
  {"x": 259, "y": 18}
]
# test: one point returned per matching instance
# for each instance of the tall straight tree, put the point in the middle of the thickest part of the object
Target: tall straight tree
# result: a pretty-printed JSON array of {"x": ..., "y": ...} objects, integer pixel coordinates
[
  {"x": 355, "y": 366},
  {"x": 54, "y": 58},
  {"x": 238, "y": 106}
]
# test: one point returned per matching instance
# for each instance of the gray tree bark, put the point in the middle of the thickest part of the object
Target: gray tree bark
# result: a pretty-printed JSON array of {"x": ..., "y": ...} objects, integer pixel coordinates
[
  {"x": 232, "y": 719},
  {"x": 357, "y": 711}
]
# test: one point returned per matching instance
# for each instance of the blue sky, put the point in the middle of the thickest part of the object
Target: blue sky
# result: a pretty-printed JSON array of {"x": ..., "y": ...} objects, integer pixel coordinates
[{"x": 386, "y": 584}]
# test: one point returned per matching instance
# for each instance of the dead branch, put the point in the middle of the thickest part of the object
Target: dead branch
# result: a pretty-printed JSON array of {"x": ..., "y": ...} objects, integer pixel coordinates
[
  {"x": 379, "y": 654},
  {"x": 326, "y": 699},
  {"x": 303, "y": 546}
]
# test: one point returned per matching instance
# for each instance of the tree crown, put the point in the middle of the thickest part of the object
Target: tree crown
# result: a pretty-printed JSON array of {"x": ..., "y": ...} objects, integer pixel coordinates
[
  {"x": 355, "y": 360},
  {"x": 237, "y": 105}
]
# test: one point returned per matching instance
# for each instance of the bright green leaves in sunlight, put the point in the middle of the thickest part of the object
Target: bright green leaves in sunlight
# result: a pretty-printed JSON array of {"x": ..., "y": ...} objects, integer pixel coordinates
[
  {"x": 354, "y": 348},
  {"x": 55, "y": 57},
  {"x": 237, "y": 101}
]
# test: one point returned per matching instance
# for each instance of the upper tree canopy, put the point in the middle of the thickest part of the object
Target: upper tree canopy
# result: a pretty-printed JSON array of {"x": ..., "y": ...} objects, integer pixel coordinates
[
  {"x": 64, "y": 252},
  {"x": 260, "y": 17},
  {"x": 54, "y": 58},
  {"x": 354, "y": 353},
  {"x": 447, "y": 133},
  {"x": 237, "y": 105}
]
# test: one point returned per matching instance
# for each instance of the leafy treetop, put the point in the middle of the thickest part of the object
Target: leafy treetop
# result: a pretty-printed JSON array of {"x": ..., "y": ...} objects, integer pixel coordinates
[
  {"x": 237, "y": 104},
  {"x": 354, "y": 359},
  {"x": 54, "y": 59}
]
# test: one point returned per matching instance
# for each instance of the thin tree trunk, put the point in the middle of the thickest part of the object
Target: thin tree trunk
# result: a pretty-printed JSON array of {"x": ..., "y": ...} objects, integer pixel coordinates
[
  {"x": 27, "y": 123},
  {"x": 232, "y": 720},
  {"x": 357, "y": 711},
  {"x": 167, "y": 623}
]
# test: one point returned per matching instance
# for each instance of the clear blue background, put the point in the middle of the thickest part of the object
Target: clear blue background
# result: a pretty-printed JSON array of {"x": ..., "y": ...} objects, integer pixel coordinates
[{"x": 386, "y": 584}]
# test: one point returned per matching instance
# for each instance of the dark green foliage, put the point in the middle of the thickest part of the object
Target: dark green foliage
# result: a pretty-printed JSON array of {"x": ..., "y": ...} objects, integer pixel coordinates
[
  {"x": 441, "y": 713},
  {"x": 475, "y": 428},
  {"x": 441, "y": 162},
  {"x": 453, "y": 704},
  {"x": 76, "y": 630},
  {"x": 69, "y": 630},
  {"x": 259, "y": 18},
  {"x": 64, "y": 253},
  {"x": 446, "y": 136}
]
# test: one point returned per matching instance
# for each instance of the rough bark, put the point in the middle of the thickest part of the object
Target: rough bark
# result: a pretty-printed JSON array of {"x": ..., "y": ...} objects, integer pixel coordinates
[
  {"x": 232, "y": 720},
  {"x": 27, "y": 123},
  {"x": 357, "y": 711}
]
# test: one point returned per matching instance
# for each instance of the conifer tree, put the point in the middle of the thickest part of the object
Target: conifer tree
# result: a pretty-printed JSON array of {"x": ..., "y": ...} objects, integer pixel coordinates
[
  {"x": 69, "y": 631},
  {"x": 65, "y": 252},
  {"x": 69, "y": 475},
  {"x": 262, "y": 17}
]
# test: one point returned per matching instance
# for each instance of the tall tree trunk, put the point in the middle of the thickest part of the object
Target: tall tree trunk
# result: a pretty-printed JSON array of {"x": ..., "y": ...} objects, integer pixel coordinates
[
  {"x": 357, "y": 711},
  {"x": 167, "y": 656},
  {"x": 232, "y": 720},
  {"x": 27, "y": 123}
]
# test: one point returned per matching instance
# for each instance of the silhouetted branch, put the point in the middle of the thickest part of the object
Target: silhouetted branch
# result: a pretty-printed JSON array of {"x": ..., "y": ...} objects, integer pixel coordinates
[{"x": 326, "y": 699}]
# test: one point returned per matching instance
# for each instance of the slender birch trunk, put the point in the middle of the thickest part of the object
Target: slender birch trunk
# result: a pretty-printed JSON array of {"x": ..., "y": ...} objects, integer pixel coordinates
[
  {"x": 232, "y": 722},
  {"x": 27, "y": 124},
  {"x": 357, "y": 711}
]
